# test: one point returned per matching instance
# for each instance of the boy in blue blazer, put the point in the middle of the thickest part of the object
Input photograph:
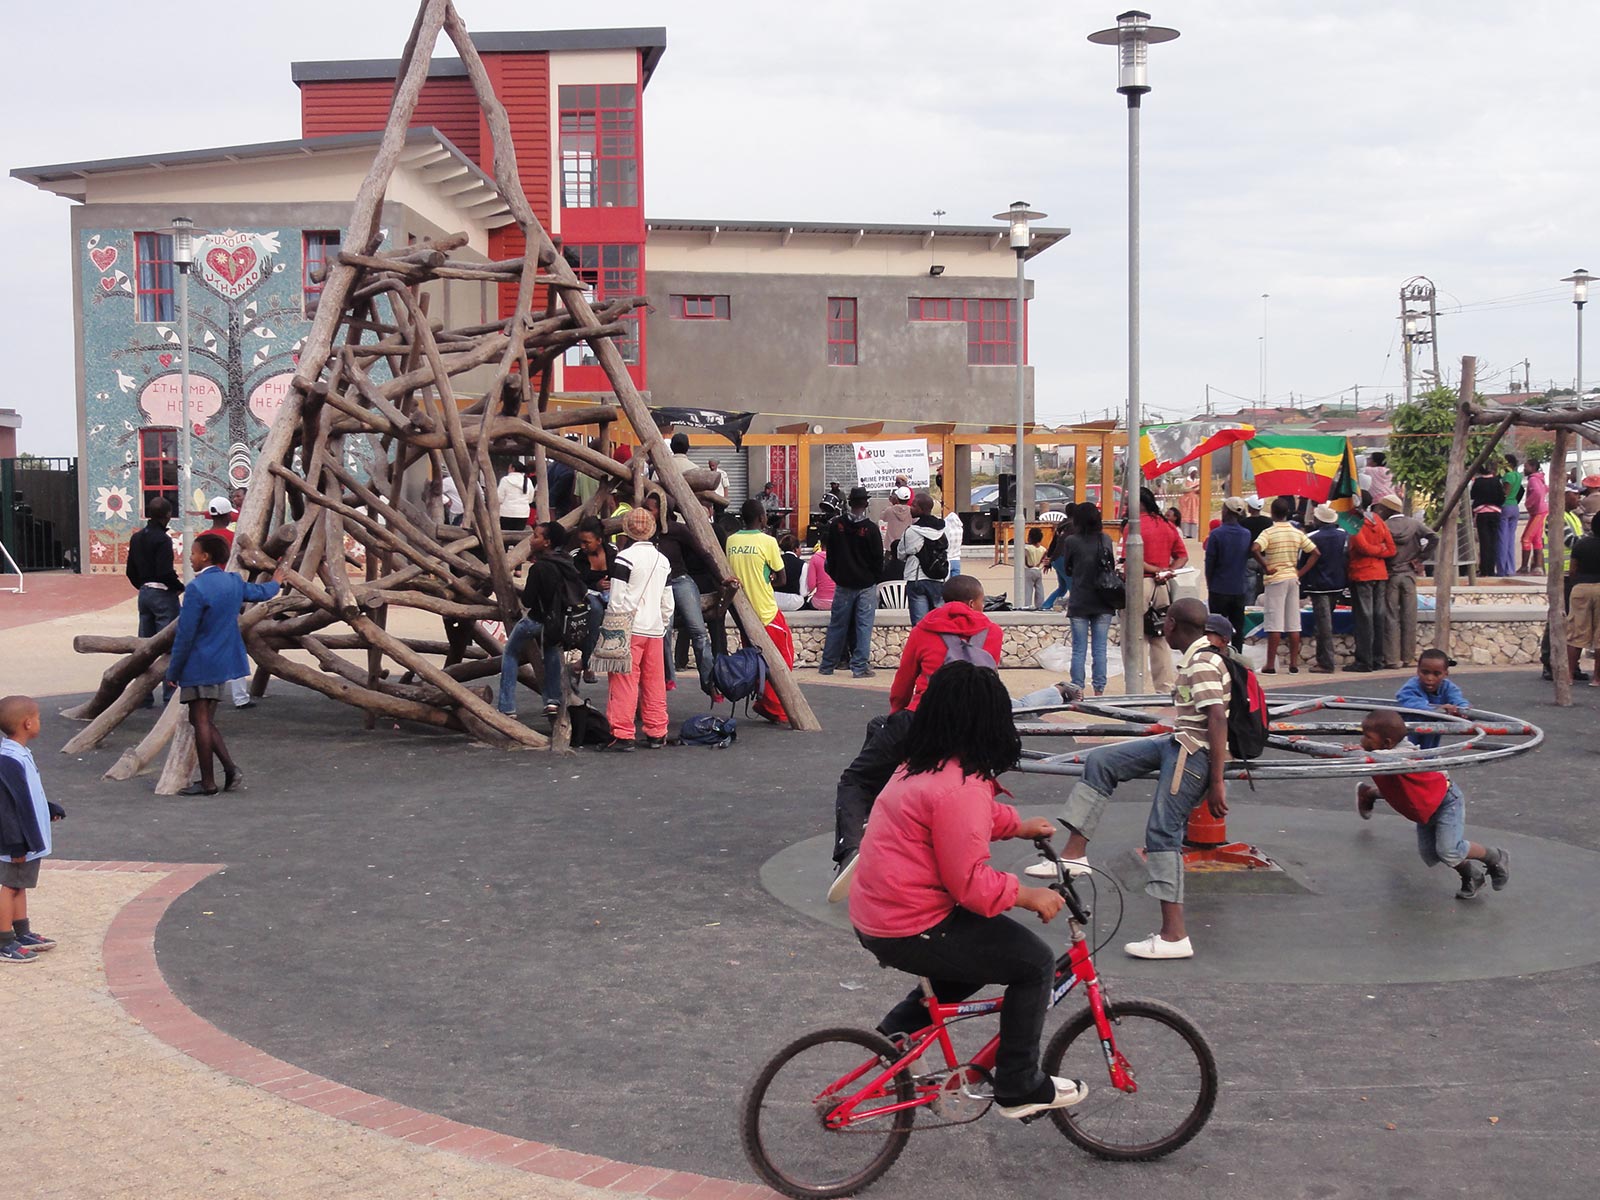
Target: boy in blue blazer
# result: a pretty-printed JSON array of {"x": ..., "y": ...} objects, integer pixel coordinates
[{"x": 208, "y": 651}]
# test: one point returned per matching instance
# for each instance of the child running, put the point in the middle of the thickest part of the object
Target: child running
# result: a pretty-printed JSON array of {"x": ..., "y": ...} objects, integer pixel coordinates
[
  {"x": 1435, "y": 804},
  {"x": 25, "y": 817}
]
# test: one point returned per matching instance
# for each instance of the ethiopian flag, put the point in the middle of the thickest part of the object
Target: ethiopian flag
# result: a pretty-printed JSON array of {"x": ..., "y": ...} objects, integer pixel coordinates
[
  {"x": 1319, "y": 466},
  {"x": 1165, "y": 447}
]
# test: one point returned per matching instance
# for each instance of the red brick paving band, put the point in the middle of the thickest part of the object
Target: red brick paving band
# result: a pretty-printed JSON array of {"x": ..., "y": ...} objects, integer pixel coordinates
[{"x": 137, "y": 983}]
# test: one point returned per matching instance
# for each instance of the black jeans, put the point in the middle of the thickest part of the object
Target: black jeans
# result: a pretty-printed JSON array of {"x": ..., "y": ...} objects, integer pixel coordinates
[
  {"x": 867, "y": 775},
  {"x": 960, "y": 955},
  {"x": 1366, "y": 606},
  {"x": 1322, "y": 604},
  {"x": 1226, "y": 604},
  {"x": 1488, "y": 541}
]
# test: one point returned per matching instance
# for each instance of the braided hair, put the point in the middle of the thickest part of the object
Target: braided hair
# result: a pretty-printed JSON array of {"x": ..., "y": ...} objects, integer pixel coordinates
[{"x": 964, "y": 715}]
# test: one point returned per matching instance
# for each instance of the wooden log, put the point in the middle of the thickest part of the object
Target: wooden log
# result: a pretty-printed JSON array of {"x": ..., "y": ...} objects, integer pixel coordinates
[
  {"x": 137, "y": 759},
  {"x": 332, "y": 663},
  {"x": 346, "y": 692},
  {"x": 1444, "y": 571},
  {"x": 505, "y": 730},
  {"x": 363, "y": 231},
  {"x": 133, "y": 696},
  {"x": 1478, "y": 460},
  {"x": 94, "y": 643},
  {"x": 181, "y": 763},
  {"x": 122, "y": 672},
  {"x": 1554, "y": 586}
]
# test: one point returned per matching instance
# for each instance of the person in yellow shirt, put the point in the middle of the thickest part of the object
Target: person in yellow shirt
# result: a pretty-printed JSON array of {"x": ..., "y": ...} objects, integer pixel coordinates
[{"x": 757, "y": 564}]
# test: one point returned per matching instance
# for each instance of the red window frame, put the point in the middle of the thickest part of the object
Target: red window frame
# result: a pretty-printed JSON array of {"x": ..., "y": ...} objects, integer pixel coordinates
[
  {"x": 315, "y": 248},
  {"x": 152, "y": 277},
  {"x": 842, "y": 348},
  {"x": 991, "y": 327},
  {"x": 610, "y": 271},
  {"x": 698, "y": 308},
  {"x": 163, "y": 463},
  {"x": 598, "y": 135}
]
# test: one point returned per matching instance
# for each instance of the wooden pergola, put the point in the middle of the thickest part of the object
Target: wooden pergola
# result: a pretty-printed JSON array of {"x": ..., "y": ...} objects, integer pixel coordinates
[{"x": 1565, "y": 424}]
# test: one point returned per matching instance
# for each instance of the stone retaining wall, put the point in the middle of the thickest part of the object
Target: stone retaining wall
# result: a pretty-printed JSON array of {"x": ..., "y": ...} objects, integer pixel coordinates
[{"x": 1504, "y": 636}]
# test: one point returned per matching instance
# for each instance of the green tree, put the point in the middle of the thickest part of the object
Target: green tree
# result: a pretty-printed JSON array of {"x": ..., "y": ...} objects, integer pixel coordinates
[{"x": 1419, "y": 446}]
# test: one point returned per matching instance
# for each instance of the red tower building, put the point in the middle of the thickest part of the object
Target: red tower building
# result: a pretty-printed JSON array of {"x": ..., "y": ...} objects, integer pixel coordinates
[{"x": 575, "y": 101}]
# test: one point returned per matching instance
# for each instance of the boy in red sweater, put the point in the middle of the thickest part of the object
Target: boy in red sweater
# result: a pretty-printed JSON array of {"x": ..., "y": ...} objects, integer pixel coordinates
[{"x": 1435, "y": 804}]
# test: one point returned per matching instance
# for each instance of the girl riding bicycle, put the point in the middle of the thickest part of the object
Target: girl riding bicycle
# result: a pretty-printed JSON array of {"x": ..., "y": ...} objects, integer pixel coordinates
[{"x": 925, "y": 899}]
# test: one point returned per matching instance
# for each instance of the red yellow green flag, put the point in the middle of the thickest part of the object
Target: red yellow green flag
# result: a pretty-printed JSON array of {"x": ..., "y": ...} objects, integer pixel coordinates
[{"x": 1302, "y": 465}]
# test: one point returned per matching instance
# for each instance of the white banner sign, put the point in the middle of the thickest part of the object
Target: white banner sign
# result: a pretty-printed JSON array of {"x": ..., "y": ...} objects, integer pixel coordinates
[{"x": 879, "y": 463}]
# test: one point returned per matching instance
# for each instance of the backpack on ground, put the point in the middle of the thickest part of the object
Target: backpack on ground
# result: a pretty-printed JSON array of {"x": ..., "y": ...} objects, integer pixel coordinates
[
  {"x": 1247, "y": 709},
  {"x": 590, "y": 726},
  {"x": 933, "y": 556},
  {"x": 708, "y": 730},
  {"x": 572, "y": 616},
  {"x": 740, "y": 675},
  {"x": 967, "y": 650}
]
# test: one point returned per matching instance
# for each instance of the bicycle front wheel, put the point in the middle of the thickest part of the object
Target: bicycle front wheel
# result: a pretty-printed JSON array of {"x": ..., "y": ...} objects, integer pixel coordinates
[
  {"x": 1174, "y": 1081},
  {"x": 783, "y": 1116}
]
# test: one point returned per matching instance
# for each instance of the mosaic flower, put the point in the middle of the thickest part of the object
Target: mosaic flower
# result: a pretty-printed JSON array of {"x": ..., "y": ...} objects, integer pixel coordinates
[{"x": 113, "y": 503}]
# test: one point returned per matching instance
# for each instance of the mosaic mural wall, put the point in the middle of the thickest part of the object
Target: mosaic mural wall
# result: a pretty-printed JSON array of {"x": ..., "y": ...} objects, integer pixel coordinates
[{"x": 247, "y": 323}]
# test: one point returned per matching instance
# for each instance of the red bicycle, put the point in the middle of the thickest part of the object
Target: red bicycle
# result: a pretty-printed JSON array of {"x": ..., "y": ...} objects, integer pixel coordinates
[{"x": 832, "y": 1111}]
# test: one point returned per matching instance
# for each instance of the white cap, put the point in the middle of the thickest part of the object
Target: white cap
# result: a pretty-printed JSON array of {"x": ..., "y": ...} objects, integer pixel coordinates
[
  {"x": 1253, "y": 501},
  {"x": 220, "y": 506},
  {"x": 902, "y": 493}
]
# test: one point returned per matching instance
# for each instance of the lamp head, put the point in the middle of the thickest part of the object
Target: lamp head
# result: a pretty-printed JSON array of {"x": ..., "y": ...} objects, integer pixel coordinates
[
  {"x": 1018, "y": 216},
  {"x": 1133, "y": 37},
  {"x": 1579, "y": 280}
]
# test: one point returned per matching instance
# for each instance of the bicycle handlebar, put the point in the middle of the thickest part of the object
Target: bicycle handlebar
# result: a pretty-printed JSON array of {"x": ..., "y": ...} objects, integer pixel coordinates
[{"x": 1063, "y": 886}]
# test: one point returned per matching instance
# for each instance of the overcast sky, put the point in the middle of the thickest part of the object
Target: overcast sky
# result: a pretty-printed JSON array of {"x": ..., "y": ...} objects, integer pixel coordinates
[{"x": 1322, "y": 157}]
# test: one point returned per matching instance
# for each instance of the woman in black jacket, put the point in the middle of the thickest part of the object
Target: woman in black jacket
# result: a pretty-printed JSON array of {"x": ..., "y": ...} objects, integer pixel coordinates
[{"x": 1488, "y": 497}]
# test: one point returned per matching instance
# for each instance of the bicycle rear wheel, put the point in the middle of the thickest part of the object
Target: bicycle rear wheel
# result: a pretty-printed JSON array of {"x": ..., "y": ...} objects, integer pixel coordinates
[
  {"x": 781, "y": 1118},
  {"x": 1173, "y": 1070}
]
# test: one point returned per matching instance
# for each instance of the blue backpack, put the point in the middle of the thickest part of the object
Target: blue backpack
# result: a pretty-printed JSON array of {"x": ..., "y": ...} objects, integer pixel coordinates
[
  {"x": 740, "y": 675},
  {"x": 707, "y": 730}
]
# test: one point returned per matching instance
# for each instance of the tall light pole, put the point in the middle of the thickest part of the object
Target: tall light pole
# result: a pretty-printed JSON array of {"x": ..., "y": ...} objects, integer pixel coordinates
[
  {"x": 1579, "y": 280},
  {"x": 1133, "y": 37},
  {"x": 183, "y": 232},
  {"x": 1017, "y": 217}
]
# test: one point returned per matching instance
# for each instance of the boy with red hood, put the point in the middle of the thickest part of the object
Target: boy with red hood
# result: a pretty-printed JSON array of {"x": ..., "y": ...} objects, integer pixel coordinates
[{"x": 959, "y": 617}]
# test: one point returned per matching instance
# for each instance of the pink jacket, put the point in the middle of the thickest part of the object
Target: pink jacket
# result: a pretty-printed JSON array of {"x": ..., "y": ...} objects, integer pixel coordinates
[{"x": 926, "y": 851}]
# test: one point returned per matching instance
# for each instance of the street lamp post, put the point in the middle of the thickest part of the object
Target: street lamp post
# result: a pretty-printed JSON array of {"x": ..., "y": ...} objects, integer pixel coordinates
[
  {"x": 183, "y": 232},
  {"x": 1133, "y": 37},
  {"x": 1579, "y": 280},
  {"x": 1017, "y": 217}
]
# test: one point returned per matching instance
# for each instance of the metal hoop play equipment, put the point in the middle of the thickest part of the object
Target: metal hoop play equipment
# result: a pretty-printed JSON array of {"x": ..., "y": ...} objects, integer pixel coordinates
[
  {"x": 1297, "y": 748},
  {"x": 1466, "y": 740}
]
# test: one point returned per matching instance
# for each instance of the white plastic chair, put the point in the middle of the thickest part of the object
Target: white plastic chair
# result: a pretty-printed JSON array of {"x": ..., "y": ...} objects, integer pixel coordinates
[{"x": 892, "y": 595}]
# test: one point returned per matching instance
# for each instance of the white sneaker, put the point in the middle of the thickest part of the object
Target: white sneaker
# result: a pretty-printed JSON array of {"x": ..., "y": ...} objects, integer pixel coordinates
[
  {"x": 1155, "y": 946},
  {"x": 1047, "y": 870},
  {"x": 1068, "y": 1093},
  {"x": 840, "y": 888}
]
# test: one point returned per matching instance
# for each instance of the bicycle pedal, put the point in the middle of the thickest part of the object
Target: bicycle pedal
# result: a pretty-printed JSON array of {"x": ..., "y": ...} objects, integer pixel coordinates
[{"x": 1030, "y": 1118}]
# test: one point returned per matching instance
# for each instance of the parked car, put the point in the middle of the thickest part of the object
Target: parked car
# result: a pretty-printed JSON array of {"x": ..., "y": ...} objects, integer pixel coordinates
[{"x": 1047, "y": 497}]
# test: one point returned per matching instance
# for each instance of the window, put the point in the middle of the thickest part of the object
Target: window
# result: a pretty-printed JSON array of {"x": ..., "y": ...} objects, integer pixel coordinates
[
  {"x": 599, "y": 145},
  {"x": 698, "y": 308},
  {"x": 319, "y": 248},
  {"x": 841, "y": 331},
  {"x": 608, "y": 273},
  {"x": 158, "y": 465},
  {"x": 991, "y": 333},
  {"x": 152, "y": 273}
]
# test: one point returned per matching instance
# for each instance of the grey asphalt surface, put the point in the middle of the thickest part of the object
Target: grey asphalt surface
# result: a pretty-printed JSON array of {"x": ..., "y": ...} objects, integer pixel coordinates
[{"x": 580, "y": 951}]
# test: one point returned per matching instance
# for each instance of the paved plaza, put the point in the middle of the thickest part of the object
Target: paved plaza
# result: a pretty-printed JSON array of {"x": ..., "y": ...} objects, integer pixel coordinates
[{"x": 500, "y": 972}]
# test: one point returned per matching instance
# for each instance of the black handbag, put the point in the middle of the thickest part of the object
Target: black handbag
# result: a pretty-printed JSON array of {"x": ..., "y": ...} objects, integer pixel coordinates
[{"x": 1110, "y": 585}]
